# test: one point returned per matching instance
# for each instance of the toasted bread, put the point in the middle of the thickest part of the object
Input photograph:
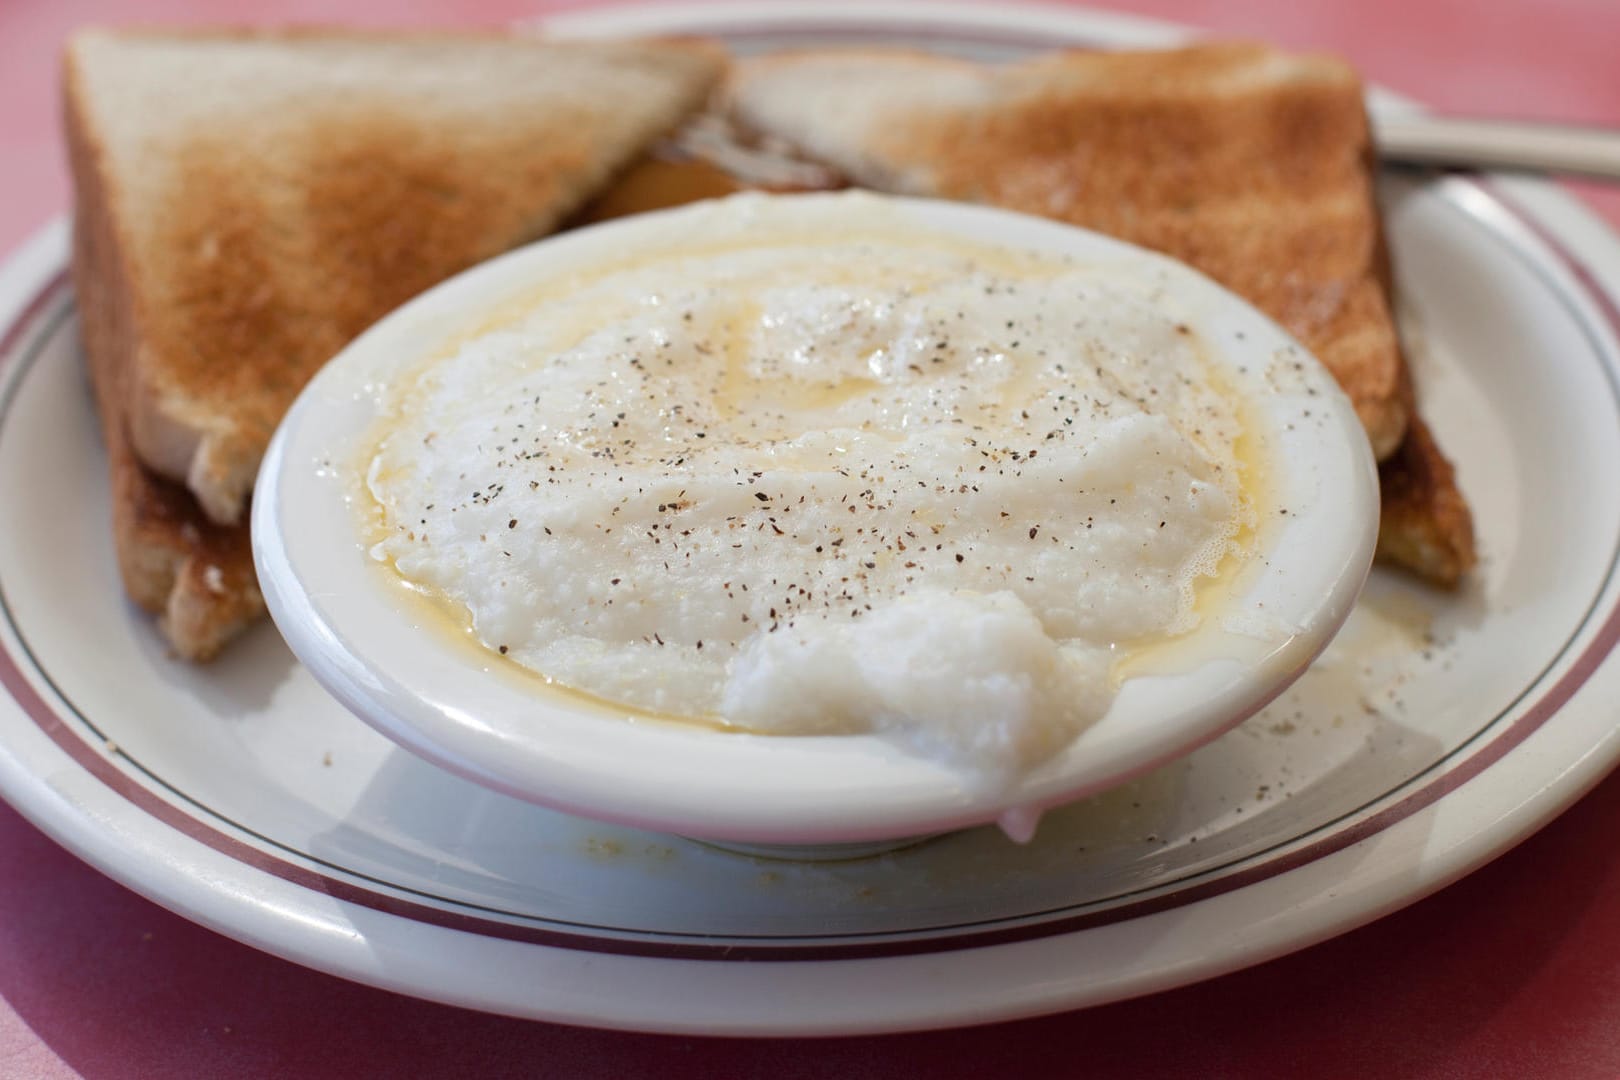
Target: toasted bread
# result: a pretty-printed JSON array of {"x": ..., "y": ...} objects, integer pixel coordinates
[
  {"x": 1426, "y": 526},
  {"x": 272, "y": 194},
  {"x": 247, "y": 202},
  {"x": 195, "y": 575},
  {"x": 1252, "y": 165}
]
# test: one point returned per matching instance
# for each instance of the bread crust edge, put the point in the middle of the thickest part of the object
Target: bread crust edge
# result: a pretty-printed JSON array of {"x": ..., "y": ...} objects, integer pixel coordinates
[{"x": 196, "y": 576}]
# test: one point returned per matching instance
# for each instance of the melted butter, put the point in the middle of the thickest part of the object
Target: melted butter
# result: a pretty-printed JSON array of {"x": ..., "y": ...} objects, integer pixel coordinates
[
  {"x": 753, "y": 408},
  {"x": 1256, "y": 524},
  {"x": 524, "y": 302},
  {"x": 656, "y": 183},
  {"x": 1400, "y": 617},
  {"x": 572, "y": 323},
  {"x": 1016, "y": 391},
  {"x": 747, "y": 404},
  {"x": 451, "y": 622},
  {"x": 767, "y": 409},
  {"x": 739, "y": 394},
  {"x": 434, "y": 613}
]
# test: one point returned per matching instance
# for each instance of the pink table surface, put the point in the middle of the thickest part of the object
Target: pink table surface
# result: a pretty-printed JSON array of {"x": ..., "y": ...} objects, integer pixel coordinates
[{"x": 1514, "y": 971}]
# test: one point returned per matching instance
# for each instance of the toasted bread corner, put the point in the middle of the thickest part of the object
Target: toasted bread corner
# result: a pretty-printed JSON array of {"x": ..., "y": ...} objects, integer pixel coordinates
[
  {"x": 1426, "y": 526},
  {"x": 224, "y": 250},
  {"x": 275, "y": 192}
]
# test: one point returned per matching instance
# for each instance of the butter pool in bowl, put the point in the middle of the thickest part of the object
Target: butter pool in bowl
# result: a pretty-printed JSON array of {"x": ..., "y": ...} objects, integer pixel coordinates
[{"x": 815, "y": 520}]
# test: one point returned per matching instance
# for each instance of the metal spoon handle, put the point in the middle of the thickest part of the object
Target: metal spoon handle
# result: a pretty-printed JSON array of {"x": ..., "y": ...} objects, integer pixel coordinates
[{"x": 1499, "y": 144}]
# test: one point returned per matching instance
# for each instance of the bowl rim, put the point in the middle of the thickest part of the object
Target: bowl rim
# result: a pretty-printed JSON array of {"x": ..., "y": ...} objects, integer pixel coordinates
[{"x": 355, "y": 630}]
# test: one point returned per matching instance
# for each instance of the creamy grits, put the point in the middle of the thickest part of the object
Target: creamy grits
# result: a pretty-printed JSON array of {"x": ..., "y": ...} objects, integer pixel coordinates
[{"x": 805, "y": 481}]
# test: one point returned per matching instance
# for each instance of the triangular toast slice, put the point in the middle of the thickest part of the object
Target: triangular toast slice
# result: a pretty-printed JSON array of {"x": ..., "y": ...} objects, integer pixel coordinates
[
  {"x": 247, "y": 202},
  {"x": 271, "y": 194},
  {"x": 1253, "y": 165}
]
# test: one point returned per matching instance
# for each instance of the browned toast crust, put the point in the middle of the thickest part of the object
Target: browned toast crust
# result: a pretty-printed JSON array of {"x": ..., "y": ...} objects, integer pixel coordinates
[
  {"x": 1426, "y": 526},
  {"x": 196, "y": 576}
]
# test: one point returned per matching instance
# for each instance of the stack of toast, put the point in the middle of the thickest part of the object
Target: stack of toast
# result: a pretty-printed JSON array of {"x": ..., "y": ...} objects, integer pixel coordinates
[{"x": 249, "y": 202}]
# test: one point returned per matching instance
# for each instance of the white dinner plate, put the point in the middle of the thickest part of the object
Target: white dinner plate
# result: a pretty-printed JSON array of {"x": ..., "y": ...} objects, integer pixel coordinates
[{"x": 1438, "y": 731}]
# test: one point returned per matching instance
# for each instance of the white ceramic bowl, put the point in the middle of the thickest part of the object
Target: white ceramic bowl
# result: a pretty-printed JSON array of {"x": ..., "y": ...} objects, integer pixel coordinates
[{"x": 347, "y": 619}]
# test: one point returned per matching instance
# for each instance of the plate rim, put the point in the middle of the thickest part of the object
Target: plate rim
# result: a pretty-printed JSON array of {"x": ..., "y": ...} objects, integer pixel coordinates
[{"x": 67, "y": 815}]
